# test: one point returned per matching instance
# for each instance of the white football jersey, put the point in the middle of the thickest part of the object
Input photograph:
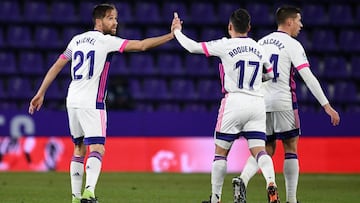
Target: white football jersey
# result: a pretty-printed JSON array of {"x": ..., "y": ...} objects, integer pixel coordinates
[
  {"x": 242, "y": 63},
  {"x": 286, "y": 54},
  {"x": 90, "y": 55}
]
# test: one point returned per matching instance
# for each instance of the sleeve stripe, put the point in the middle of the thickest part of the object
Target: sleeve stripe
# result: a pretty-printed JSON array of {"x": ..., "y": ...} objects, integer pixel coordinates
[
  {"x": 122, "y": 48},
  {"x": 206, "y": 51},
  {"x": 305, "y": 65}
]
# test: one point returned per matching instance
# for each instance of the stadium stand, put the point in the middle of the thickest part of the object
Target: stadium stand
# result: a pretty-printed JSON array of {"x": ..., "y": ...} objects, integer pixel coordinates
[{"x": 33, "y": 34}]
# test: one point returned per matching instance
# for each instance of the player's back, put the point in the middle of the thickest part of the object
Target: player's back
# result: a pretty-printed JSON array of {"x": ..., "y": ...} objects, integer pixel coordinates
[
  {"x": 285, "y": 54},
  {"x": 242, "y": 62},
  {"x": 89, "y": 68}
]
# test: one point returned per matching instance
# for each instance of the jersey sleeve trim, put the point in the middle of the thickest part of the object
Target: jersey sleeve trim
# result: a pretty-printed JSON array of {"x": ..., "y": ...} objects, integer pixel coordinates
[
  {"x": 122, "y": 48},
  {"x": 62, "y": 56},
  {"x": 206, "y": 51},
  {"x": 305, "y": 65}
]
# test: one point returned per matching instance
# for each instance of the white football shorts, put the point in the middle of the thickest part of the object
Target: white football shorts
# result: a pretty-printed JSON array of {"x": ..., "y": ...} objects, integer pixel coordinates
[
  {"x": 89, "y": 124},
  {"x": 283, "y": 124},
  {"x": 241, "y": 115}
]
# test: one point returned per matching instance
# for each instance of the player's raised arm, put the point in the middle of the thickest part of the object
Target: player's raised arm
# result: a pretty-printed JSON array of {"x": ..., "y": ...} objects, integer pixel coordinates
[
  {"x": 189, "y": 44},
  {"x": 148, "y": 43}
]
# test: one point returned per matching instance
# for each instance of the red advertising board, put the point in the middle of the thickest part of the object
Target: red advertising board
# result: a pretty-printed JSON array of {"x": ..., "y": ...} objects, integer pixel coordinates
[{"x": 174, "y": 154}]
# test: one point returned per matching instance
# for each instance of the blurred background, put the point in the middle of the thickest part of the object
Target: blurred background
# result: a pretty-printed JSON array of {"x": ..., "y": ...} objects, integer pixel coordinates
[
  {"x": 33, "y": 34},
  {"x": 167, "y": 80}
]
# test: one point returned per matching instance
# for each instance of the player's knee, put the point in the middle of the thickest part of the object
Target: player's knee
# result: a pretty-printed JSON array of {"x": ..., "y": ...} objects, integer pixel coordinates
[{"x": 98, "y": 148}]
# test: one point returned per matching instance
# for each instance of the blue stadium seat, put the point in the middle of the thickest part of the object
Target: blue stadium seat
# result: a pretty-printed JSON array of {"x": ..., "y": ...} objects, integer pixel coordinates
[
  {"x": 63, "y": 12},
  {"x": 2, "y": 41},
  {"x": 208, "y": 34},
  {"x": 31, "y": 63},
  {"x": 315, "y": 66},
  {"x": 168, "y": 107},
  {"x": 198, "y": 65},
  {"x": 262, "y": 15},
  {"x": 8, "y": 106},
  {"x": 155, "y": 89},
  {"x": 85, "y": 12},
  {"x": 335, "y": 67},
  {"x": 7, "y": 63},
  {"x": 324, "y": 40},
  {"x": 357, "y": 13},
  {"x": 125, "y": 14},
  {"x": 130, "y": 33},
  {"x": 340, "y": 14},
  {"x": 144, "y": 107},
  {"x": 36, "y": 11},
  {"x": 169, "y": 8},
  {"x": 119, "y": 65},
  {"x": 209, "y": 89},
  {"x": 19, "y": 36},
  {"x": 203, "y": 13},
  {"x": 47, "y": 37},
  {"x": 260, "y": 33},
  {"x": 3, "y": 92},
  {"x": 69, "y": 33},
  {"x": 302, "y": 92},
  {"x": 142, "y": 64},
  {"x": 314, "y": 14},
  {"x": 192, "y": 107},
  {"x": 10, "y": 11},
  {"x": 349, "y": 40},
  {"x": 182, "y": 89},
  {"x": 136, "y": 89},
  {"x": 169, "y": 64},
  {"x": 56, "y": 91},
  {"x": 224, "y": 10},
  {"x": 19, "y": 88},
  {"x": 355, "y": 70},
  {"x": 345, "y": 92},
  {"x": 304, "y": 39},
  {"x": 148, "y": 12}
]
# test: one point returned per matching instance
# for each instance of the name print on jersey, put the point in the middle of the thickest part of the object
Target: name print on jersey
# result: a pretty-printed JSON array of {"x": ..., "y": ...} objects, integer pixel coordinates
[{"x": 242, "y": 49}]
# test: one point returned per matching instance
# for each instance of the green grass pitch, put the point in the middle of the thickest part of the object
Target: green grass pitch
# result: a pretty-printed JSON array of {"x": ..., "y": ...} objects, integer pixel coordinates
[{"x": 54, "y": 187}]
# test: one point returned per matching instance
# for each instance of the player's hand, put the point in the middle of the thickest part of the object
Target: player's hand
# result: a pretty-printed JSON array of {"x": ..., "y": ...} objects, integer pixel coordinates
[
  {"x": 334, "y": 115},
  {"x": 35, "y": 104},
  {"x": 176, "y": 23}
]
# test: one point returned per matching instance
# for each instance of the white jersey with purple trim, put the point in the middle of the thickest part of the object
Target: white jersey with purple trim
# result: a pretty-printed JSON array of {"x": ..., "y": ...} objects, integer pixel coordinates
[
  {"x": 242, "y": 63},
  {"x": 90, "y": 57},
  {"x": 286, "y": 55}
]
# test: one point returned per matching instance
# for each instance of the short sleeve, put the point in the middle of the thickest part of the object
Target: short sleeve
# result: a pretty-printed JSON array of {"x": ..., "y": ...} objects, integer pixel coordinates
[{"x": 115, "y": 43}]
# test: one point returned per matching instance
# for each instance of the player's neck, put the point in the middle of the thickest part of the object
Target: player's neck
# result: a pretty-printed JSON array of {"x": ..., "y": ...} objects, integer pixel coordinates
[
  {"x": 236, "y": 35},
  {"x": 282, "y": 29}
]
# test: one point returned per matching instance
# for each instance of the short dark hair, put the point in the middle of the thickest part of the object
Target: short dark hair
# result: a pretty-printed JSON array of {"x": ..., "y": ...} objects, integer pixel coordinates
[
  {"x": 240, "y": 19},
  {"x": 100, "y": 10},
  {"x": 285, "y": 12}
]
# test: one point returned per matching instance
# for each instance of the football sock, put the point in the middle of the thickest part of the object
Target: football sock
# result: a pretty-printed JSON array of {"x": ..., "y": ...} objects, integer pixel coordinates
[
  {"x": 291, "y": 175},
  {"x": 76, "y": 175},
  {"x": 250, "y": 169},
  {"x": 267, "y": 167},
  {"x": 218, "y": 173},
  {"x": 93, "y": 169}
]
